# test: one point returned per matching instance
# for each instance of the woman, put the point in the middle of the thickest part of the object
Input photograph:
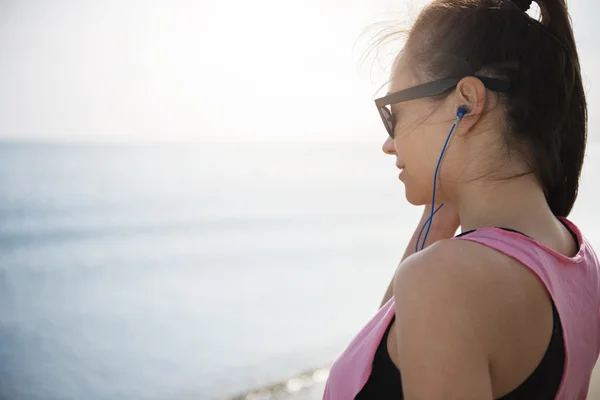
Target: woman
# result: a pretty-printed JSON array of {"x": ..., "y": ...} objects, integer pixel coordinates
[{"x": 508, "y": 309}]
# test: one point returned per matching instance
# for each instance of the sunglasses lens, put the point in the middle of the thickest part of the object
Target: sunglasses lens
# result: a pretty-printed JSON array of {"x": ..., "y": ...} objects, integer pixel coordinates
[{"x": 388, "y": 120}]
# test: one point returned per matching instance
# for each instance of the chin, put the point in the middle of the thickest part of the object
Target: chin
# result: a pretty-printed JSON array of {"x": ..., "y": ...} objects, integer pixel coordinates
[
  {"x": 418, "y": 192},
  {"x": 420, "y": 197},
  {"x": 417, "y": 199}
]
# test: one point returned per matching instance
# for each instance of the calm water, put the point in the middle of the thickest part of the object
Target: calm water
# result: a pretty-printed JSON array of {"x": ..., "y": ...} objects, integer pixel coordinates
[{"x": 194, "y": 272}]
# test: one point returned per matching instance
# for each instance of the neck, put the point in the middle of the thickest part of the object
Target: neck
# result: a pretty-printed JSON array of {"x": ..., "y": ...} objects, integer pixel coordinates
[{"x": 518, "y": 203}]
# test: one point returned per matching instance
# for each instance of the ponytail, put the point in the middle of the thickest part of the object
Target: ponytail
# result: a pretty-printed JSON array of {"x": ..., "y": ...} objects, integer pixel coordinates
[{"x": 572, "y": 133}]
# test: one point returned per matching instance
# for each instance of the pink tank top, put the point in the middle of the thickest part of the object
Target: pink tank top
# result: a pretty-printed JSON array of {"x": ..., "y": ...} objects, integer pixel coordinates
[{"x": 573, "y": 283}]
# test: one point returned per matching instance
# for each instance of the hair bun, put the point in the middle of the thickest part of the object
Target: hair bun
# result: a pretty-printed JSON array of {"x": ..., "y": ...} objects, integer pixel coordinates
[{"x": 523, "y": 5}]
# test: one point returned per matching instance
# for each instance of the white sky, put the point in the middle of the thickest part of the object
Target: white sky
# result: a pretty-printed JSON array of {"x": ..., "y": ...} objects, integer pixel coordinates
[{"x": 135, "y": 70}]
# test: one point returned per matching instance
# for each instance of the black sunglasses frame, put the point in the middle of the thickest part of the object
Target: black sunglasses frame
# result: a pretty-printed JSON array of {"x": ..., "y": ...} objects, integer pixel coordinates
[{"x": 428, "y": 90}]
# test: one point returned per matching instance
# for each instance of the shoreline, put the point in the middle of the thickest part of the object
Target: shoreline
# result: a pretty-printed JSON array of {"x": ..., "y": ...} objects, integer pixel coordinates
[{"x": 307, "y": 385}]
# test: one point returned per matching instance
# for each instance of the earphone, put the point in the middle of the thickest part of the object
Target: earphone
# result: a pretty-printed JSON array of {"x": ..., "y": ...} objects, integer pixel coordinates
[{"x": 460, "y": 113}]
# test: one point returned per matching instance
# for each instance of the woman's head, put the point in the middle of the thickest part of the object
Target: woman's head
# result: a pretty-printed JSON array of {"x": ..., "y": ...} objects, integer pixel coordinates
[{"x": 538, "y": 126}]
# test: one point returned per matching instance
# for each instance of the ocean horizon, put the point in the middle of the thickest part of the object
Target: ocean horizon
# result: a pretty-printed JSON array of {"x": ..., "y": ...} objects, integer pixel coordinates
[{"x": 196, "y": 271}]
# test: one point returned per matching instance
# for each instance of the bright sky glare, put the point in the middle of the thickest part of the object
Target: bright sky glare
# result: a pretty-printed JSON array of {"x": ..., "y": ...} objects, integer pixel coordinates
[{"x": 184, "y": 70}]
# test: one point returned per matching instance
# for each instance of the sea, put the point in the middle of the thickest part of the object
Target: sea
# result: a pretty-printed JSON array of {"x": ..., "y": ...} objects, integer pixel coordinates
[{"x": 197, "y": 271}]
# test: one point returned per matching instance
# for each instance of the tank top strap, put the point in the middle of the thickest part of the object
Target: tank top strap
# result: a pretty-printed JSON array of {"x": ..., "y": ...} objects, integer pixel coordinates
[{"x": 351, "y": 370}]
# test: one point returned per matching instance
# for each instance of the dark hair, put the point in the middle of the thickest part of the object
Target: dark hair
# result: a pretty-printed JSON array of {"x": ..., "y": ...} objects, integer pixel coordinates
[{"x": 546, "y": 115}]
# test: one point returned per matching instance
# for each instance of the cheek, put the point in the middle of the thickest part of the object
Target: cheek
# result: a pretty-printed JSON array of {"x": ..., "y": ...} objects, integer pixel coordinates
[
  {"x": 420, "y": 157},
  {"x": 415, "y": 149}
]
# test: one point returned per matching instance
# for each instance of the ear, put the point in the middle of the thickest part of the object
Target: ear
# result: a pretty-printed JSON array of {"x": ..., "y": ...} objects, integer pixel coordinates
[{"x": 470, "y": 92}]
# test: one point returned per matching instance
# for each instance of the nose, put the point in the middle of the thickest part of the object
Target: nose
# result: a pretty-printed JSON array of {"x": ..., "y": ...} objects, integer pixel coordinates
[{"x": 388, "y": 146}]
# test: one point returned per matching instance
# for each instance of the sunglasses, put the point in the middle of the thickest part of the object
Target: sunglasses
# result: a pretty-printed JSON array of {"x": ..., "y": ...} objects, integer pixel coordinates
[{"x": 427, "y": 90}]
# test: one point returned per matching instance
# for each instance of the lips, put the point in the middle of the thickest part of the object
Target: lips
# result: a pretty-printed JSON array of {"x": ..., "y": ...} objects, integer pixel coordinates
[{"x": 400, "y": 167}]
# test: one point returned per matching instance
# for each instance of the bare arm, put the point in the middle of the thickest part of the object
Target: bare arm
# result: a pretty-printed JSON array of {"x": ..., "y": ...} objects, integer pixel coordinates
[
  {"x": 444, "y": 226},
  {"x": 445, "y": 324}
]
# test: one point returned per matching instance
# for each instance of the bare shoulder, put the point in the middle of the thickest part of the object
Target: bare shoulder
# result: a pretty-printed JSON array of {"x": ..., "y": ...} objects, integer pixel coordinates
[
  {"x": 443, "y": 315},
  {"x": 460, "y": 264},
  {"x": 460, "y": 300},
  {"x": 449, "y": 266},
  {"x": 476, "y": 280},
  {"x": 456, "y": 274}
]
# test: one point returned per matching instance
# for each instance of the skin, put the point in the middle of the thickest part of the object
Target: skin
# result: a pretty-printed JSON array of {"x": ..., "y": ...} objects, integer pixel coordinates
[{"x": 471, "y": 323}]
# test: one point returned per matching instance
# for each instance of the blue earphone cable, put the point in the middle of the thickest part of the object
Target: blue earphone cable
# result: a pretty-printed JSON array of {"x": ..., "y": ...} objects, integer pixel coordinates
[
  {"x": 461, "y": 112},
  {"x": 428, "y": 221},
  {"x": 425, "y": 224}
]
